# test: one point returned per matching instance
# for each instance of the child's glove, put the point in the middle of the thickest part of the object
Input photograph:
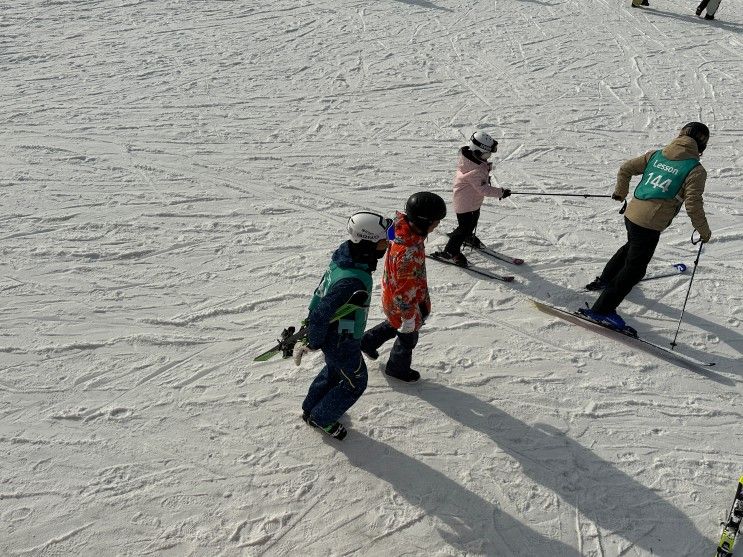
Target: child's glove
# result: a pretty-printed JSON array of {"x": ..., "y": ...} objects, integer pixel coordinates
[
  {"x": 300, "y": 349},
  {"x": 506, "y": 193},
  {"x": 408, "y": 326},
  {"x": 617, "y": 197}
]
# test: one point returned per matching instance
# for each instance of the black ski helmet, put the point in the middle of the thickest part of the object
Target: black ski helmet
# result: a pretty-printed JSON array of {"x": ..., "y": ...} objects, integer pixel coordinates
[
  {"x": 698, "y": 132},
  {"x": 423, "y": 208}
]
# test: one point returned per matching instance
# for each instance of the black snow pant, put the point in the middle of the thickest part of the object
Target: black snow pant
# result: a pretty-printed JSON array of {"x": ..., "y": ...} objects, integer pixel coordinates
[
  {"x": 401, "y": 355},
  {"x": 627, "y": 267},
  {"x": 467, "y": 224}
]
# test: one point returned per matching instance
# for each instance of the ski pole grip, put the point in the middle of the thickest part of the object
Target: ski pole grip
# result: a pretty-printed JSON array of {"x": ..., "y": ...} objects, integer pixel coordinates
[
  {"x": 624, "y": 207},
  {"x": 692, "y": 237}
]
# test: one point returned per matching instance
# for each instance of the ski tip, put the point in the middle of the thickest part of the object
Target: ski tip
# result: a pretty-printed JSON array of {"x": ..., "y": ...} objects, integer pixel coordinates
[
  {"x": 508, "y": 279},
  {"x": 517, "y": 261}
]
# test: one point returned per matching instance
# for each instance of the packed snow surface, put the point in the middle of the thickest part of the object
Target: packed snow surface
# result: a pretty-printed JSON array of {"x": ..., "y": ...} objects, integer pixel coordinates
[{"x": 174, "y": 176}]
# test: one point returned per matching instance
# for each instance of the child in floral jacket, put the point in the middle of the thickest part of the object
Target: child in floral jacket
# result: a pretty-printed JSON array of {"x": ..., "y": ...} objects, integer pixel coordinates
[{"x": 405, "y": 299}]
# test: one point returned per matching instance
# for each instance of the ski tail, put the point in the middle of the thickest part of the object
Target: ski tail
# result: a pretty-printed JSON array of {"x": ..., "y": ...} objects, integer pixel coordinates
[
  {"x": 731, "y": 526},
  {"x": 679, "y": 269},
  {"x": 473, "y": 269},
  {"x": 358, "y": 300}
]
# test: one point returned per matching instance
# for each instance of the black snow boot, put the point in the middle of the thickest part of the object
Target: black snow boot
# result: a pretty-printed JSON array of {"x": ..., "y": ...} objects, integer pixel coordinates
[{"x": 411, "y": 376}]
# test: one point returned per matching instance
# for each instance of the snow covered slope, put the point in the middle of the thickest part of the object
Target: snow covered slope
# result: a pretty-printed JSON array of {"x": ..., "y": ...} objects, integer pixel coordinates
[{"x": 174, "y": 176}]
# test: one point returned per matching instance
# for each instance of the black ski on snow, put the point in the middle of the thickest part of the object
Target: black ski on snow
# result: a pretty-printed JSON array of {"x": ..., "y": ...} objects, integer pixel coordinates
[
  {"x": 731, "y": 526},
  {"x": 289, "y": 336},
  {"x": 495, "y": 254},
  {"x": 627, "y": 336},
  {"x": 473, "y": 269}
]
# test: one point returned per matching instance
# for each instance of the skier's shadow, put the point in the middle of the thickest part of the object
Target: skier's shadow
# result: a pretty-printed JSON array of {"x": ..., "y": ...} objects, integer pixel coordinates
[
  {"x": 693, "y": 19},
  {"x": 473, "y": 525},
  {"x": 550, "y": 292},
  {"x": 425, "y": 4},
  {"x": 598, "y": 490}
]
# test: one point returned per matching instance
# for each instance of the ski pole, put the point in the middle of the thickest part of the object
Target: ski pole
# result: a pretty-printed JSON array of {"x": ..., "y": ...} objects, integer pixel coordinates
[
  {"x": 560, "y": 194},
  {"x": 696, "y": 262},
  {"x": 621, "y": 211}
]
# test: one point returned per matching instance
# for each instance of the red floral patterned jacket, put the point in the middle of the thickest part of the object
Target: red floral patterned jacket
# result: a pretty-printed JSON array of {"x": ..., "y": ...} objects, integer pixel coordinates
[{"x": 404, "y": 285}]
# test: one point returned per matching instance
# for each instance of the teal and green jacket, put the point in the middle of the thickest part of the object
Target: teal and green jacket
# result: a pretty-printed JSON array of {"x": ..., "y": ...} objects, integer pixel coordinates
[{"x": 341, "y": 281}]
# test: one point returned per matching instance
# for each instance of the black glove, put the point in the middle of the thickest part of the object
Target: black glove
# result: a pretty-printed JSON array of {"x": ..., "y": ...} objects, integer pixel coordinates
[
  {"x": 506, "y": 193},
  {"x": 616, "y": 197},
  {"x": 423, "y": 309}
]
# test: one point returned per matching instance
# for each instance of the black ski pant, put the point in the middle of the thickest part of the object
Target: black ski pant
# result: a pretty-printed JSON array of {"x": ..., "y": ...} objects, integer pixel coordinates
[
  {"x": 710, "y": 5},
  {"x": 627, "y": 267},
  {"x": 467, "y": 223},
  {"x": 401, "y": 355}
]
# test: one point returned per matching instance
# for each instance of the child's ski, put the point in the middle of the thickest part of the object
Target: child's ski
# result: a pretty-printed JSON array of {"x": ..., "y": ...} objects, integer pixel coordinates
[
  {"x": 497, "y": 255},
  {"x": 473, "y": 269},
  {"x": 731, "y": 526},
  {"x": 289, "y": 337},
  {"x": 492, "y": 253}
]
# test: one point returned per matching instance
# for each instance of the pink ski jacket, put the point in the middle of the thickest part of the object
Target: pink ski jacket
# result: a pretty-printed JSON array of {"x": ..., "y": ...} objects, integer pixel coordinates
[{"x": 472, "y": 184}]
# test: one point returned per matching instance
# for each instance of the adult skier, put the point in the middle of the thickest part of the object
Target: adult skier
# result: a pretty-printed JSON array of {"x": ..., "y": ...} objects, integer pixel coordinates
[
  {"x": 405, "y": 299},
  {"x": 343, "y": 379},
  {"x": 471, "y": 186},
  {"x": 671, "y": 177}
]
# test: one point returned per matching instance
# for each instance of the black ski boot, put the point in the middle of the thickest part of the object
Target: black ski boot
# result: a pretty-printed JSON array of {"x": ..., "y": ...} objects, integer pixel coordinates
[
  {"x": 458, "y": 259},
  {"x": 411, "y": 376},
  {"x": 475, "y": 242}
]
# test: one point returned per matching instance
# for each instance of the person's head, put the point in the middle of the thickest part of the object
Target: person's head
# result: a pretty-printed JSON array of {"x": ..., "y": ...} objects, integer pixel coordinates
[
  {"x": 425, "y": 211},
  {"x": 482, "y": 145},
  {"x": 368, "y": 235},
  {"x": 698, "y": 132}
]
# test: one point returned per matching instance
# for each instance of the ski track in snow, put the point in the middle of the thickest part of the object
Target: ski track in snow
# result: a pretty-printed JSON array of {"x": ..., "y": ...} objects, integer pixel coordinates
[{"x": 174, "y": 177}]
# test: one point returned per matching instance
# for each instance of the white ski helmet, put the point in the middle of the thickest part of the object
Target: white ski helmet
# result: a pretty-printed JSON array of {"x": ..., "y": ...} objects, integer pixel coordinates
[
  {"x": 481, "y": 141},
  {"x": 368, "y": 226}
]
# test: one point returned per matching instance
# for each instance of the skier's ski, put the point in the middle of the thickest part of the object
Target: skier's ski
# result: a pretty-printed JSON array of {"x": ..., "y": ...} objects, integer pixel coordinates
[
  {"x": 679, "y": 268},
  {"x": 289, "y": 337},
  {"x": 626, "y": 336},
  {"x": 492, "y": 253},
  {"x": 473, "y": 269},
  {"x": 731, "y": 526},
  {"x": 497, "y": 255}
]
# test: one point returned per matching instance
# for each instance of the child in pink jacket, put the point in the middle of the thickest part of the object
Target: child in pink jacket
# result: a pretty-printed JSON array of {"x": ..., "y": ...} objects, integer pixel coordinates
[{"x": 471, "y": 186}]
